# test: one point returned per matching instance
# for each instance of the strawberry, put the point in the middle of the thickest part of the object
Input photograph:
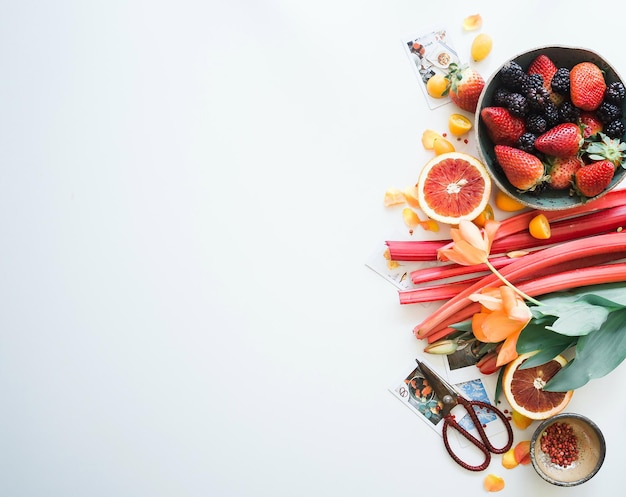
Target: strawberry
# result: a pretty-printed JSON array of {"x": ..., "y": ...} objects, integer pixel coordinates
[
  {"x": 587, "y": 85},
  {"x": 502, "y": 127},
  {"x": 543, "y": 65},
  {"x": 592, "y": 179},
  {"x": 523, "y": 170},
  {"x": 563, "y": 140},
  {"x": 466, "y": 85},
  {"x": 590, "y": 123},
  {"x": 562, "y": 170}
]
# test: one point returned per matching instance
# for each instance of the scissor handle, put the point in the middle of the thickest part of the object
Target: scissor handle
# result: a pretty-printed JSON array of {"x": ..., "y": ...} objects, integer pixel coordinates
[{"x": 483, "y": 444}]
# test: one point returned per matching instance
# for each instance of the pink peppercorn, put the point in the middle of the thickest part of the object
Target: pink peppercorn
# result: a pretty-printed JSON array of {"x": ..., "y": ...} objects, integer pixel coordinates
[{"x": 560, "y": 444}]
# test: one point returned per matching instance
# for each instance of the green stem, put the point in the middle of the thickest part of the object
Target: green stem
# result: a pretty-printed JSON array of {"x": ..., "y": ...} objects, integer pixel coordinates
[{"x": 510, "y": 285}]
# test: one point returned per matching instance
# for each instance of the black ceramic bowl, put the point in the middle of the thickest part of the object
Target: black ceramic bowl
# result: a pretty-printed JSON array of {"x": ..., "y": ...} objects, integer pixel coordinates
[
  {"x": 591, "y": 449},
  {"x": 548, "y": 199}
]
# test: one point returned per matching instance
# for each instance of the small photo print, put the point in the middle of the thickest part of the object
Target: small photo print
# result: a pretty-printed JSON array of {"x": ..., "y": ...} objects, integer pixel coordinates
[
  {"x": 415, "y": 392},
  {"x": 431, "y": 53},
  {"x": 475, "y": 390},
  {"x": 395, "y": 272}
]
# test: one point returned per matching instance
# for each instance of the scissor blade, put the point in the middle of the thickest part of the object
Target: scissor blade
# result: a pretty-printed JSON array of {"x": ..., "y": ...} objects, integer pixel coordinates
[{"x": 440, "y": 386}]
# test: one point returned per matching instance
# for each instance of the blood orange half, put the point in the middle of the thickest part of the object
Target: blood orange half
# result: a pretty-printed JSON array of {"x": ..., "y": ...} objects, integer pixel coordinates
[
  {"x": 523, "y": 388},
  {"x": 453, "y": 186}
]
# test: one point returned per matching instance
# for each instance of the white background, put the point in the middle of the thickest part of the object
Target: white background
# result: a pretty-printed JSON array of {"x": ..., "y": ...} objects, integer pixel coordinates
[{"x": 188, "y": 194}]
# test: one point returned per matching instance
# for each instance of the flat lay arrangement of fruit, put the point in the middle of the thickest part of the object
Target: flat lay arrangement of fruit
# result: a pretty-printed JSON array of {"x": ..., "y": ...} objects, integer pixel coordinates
[{"x": 539, "y": 293}]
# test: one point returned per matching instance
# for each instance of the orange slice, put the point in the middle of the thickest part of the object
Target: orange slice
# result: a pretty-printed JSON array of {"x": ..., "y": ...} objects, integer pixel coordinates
[
  {"x": 453, "y": 186},
  {"x": 428, "y": 138},
  {"x": 523, "y": 388},
  {"x": 539, "y": 227},
  {"x": 458, "y": 124},
  {"x": 442, "y": 146}
]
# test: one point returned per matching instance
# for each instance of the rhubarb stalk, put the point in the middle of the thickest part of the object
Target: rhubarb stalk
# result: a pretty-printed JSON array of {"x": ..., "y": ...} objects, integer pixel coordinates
[
  {"x": 595, "y": 275},
  {"x": 530, "y": 264},
  {"x": 600, "y": 216}
]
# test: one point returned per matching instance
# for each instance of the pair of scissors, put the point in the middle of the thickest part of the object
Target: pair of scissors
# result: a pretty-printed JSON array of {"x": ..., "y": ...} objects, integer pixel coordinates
[{"x": 450, "y": 399}]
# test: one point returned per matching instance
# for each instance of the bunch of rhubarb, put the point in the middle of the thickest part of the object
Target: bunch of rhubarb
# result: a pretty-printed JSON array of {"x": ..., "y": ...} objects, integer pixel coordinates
[
  {"x": 513, "y": 244},
  {"x": 496, "y": 302}
]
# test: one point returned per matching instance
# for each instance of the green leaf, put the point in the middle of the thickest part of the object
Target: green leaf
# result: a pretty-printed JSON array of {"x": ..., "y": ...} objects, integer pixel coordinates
[
  {"x": 606, "y": 294},
  {"x": 463, "y": 325},
  {"x": 498, "y": 392},
  {"x": 597, "y": 354},
  {"x": 579, "y": 318},
  {"x": 543, "y": 356},
  {"x": 535, "y": 336},
  {"x": 582, "y": 310},
  {"x": 548, "y": 344}
]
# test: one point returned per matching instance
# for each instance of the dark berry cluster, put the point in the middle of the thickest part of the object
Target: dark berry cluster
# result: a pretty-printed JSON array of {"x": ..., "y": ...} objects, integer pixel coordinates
[
  {"x": 544, "y": 106},
  {"x": 610, "y": 110}
]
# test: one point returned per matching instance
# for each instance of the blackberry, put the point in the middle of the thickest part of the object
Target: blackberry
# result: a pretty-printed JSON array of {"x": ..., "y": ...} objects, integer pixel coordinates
[
  {"x": 517, "y": 104},
  {"x": 512, "y": 76},
  {"x": 536, "y": 123},
  {"x": 568, "y": 113},
  {"x": 526, "y": 142},
  {"x": 615, "y": 129},
  {"x": 551, "y": 114},
  {"x": 608, "y": 112},
  {"x": 538, "y": 98},
  {"x": 615, "y": 93},
  {"x": 500, "y": 97},
  {"x": 560, "y": 81},
  {"x": 532, "y": 81}
]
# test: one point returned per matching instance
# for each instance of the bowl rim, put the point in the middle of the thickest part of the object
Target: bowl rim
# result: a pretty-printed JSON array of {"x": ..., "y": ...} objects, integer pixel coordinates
[
  {"x": 553, "y": 419},
  {"x": 478, "y": 125}
]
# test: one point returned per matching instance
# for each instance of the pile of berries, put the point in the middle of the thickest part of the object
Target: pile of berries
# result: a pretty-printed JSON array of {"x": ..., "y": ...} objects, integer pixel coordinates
[
  {"x": 552, "y": 126},
  {"x": 543, "y": 97},
  {"x": 560, "y": 444}
]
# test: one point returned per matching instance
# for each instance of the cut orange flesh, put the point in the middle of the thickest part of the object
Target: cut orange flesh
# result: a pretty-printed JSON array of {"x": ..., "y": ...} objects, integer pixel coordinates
[
  {"x": 523, "y": 388},
  {"x": 453, "y": 186}
]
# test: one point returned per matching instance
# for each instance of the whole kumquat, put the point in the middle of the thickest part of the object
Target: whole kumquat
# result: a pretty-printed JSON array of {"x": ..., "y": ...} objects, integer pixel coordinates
[
  {"x": 481, "y": 47},
  {"x": 506, "y": 203},
  {"x": 437, "y": 85}
]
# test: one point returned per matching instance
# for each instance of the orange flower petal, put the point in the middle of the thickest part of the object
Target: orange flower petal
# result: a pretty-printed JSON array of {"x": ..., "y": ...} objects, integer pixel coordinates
[
  {"x": 514, "y": 305},
  {"x": 464, "y": 253},
  {"x": 489, "y": 299},
  {"x": 477, "y": 326},
  {"x": 508, "y": 351},
  {"x": 497, "y": 326},
  {"x": 490, "y": 229},
  {"x": 472, "y": 235}
]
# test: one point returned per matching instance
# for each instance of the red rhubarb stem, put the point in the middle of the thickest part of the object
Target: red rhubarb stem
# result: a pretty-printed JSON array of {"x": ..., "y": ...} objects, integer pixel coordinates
[
  {"x": 532, "y": 263},
  {"x": 575, "y": 278}
]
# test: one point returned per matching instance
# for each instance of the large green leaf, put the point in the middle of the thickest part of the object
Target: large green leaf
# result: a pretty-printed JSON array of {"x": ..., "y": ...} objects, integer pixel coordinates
[
  {"x": 597, "y": 354},
  {"x": 574, "y": 318},
  {"x": 605, "y": 294},
  {"x": 579, "y": 318},
  {"x": 548, "y": 344},
  {"x": 610, "y": 295}
]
